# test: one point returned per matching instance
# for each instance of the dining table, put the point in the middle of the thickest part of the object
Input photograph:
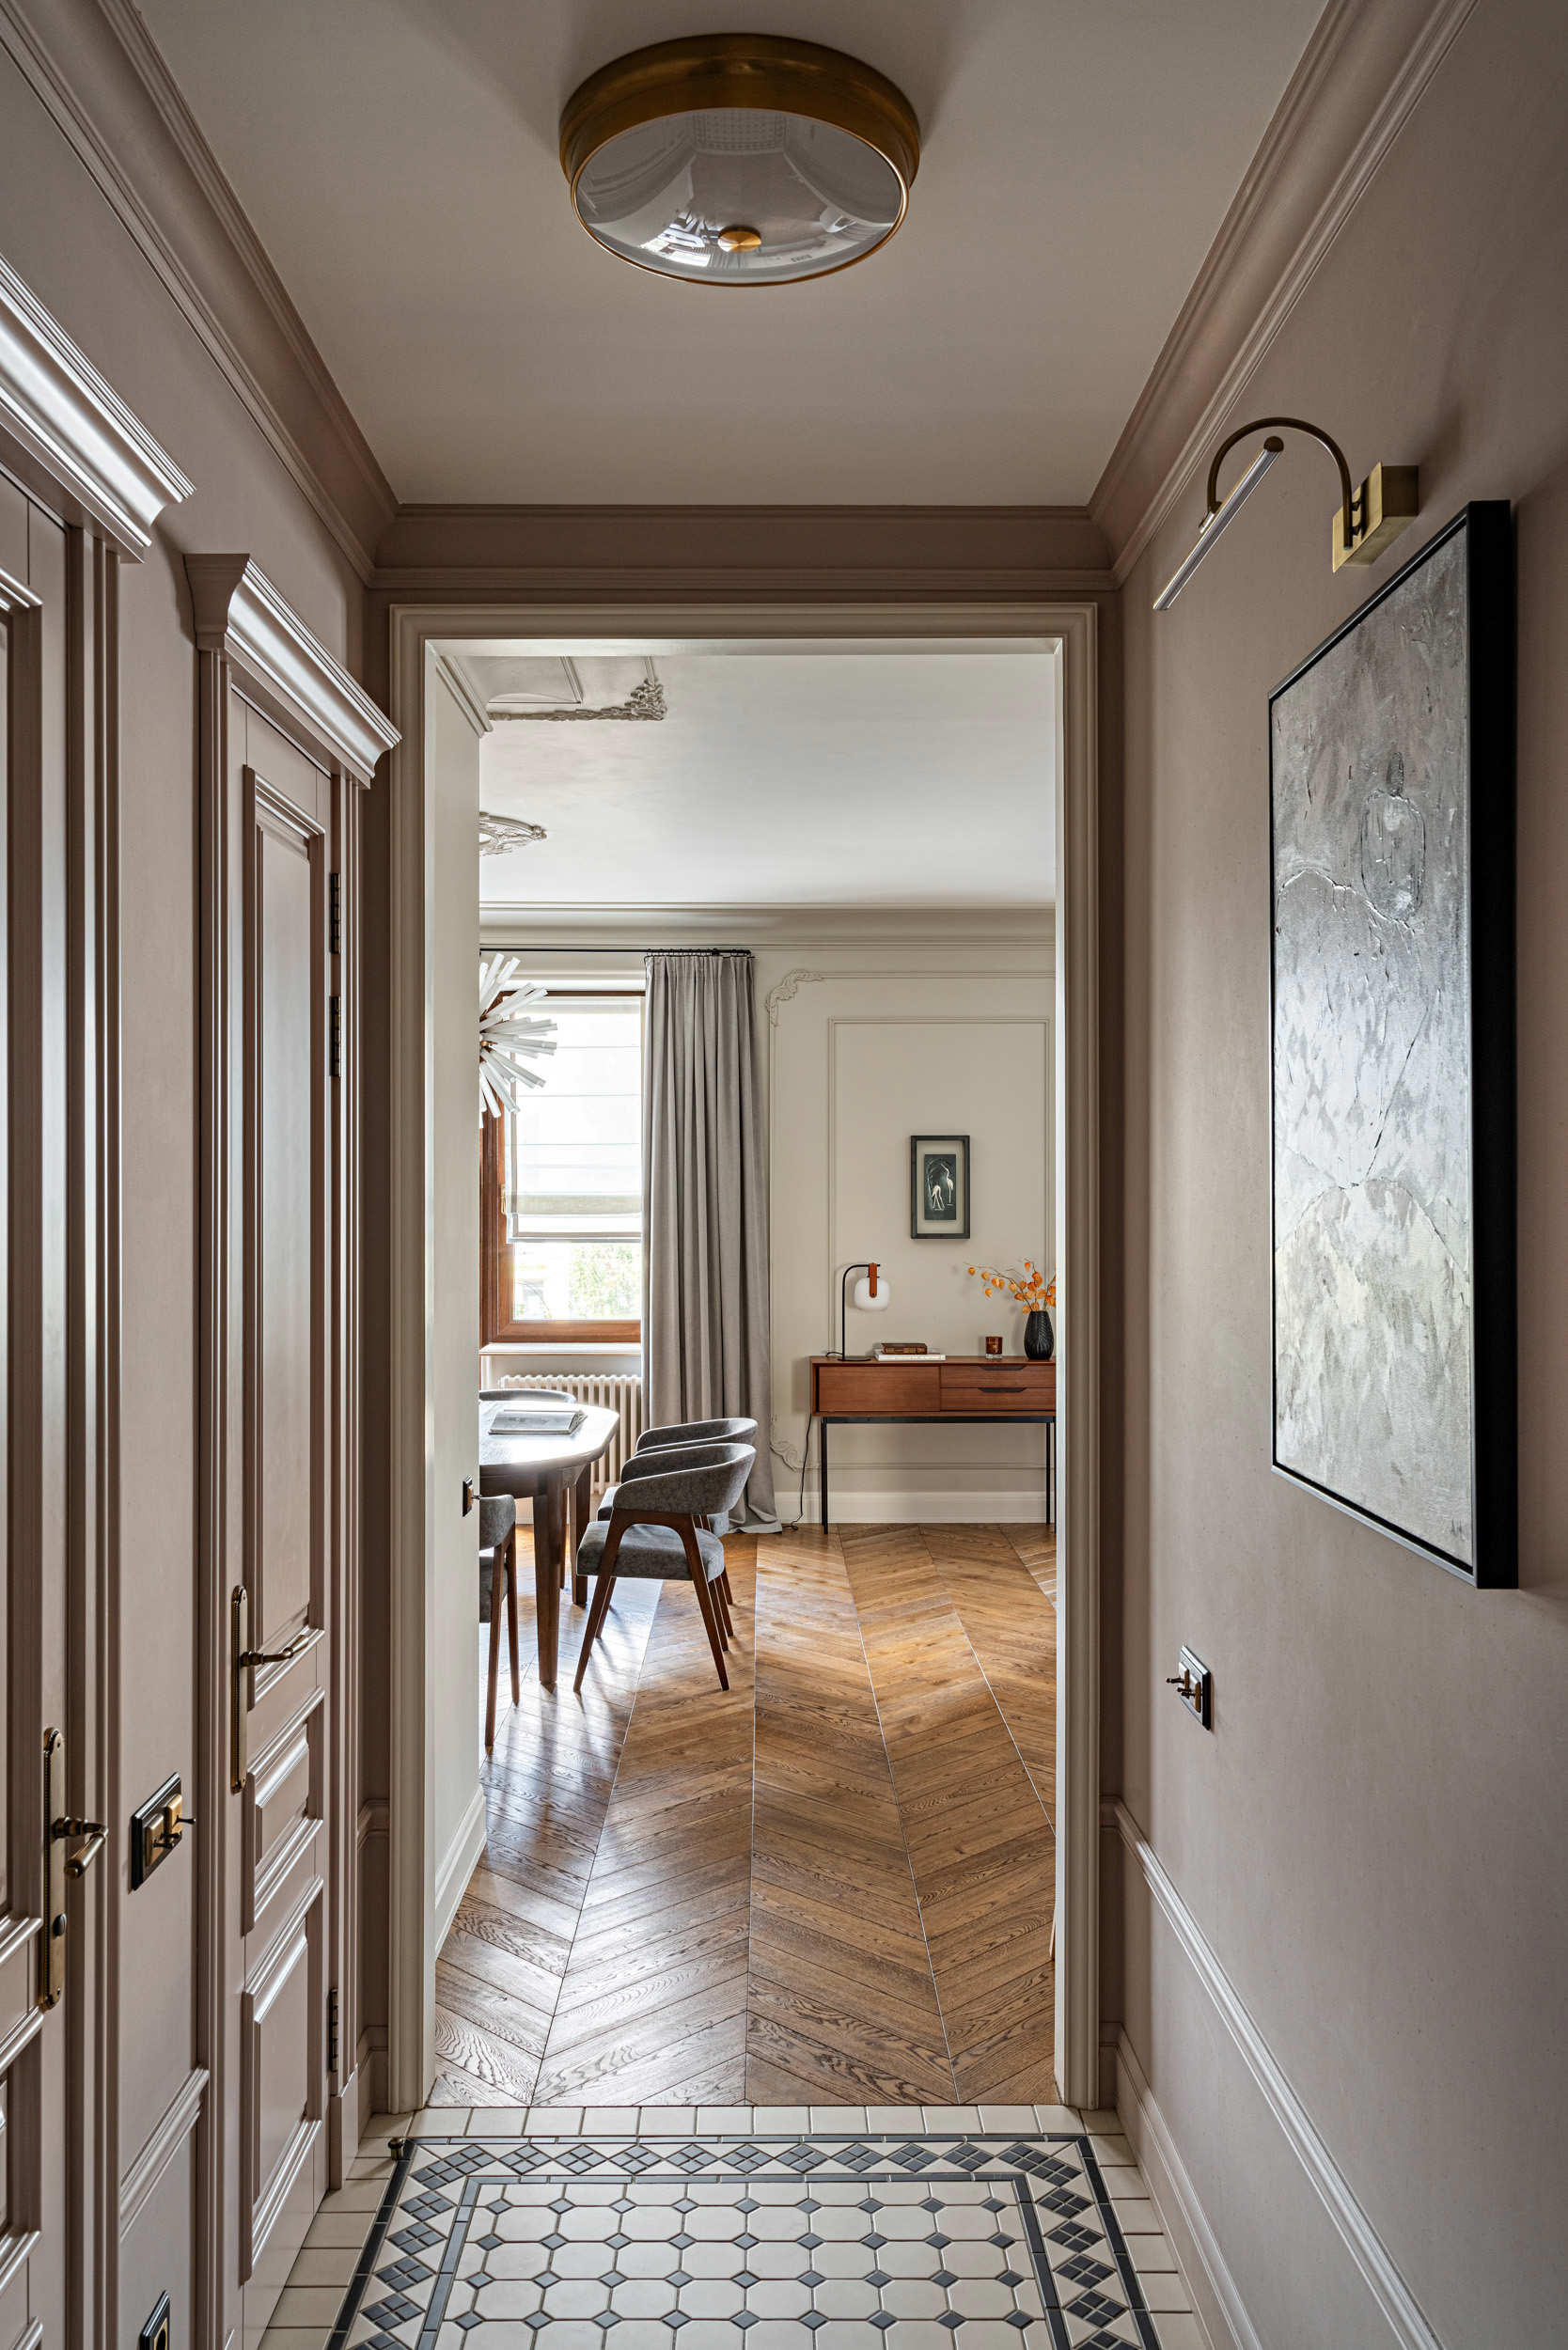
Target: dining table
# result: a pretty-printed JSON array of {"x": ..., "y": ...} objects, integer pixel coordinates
[{"x": 555, "y": 1474}]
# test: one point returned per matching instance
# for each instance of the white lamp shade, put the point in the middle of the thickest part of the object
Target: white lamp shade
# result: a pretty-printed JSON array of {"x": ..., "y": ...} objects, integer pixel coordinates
[{"x": 863, "y": 1299}]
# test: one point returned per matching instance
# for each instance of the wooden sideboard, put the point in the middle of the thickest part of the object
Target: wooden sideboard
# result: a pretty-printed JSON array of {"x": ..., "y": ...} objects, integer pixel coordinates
[{"x": 962, "y": 1389}]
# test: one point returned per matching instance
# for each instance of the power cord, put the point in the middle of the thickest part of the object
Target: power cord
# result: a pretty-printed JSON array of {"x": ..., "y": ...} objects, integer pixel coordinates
[{"x": 805, "y": 1462}]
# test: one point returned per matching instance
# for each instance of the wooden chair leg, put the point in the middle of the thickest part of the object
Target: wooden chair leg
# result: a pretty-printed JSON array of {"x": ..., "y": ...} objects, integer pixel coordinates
[
  {"x": 511, "y": 1616},
  {"x": 699, "y": 1574},
  {"x": 603, "y": 1586},
  {"x": 727, "y": 1621},
  {"x": 497, "y": 1581}
]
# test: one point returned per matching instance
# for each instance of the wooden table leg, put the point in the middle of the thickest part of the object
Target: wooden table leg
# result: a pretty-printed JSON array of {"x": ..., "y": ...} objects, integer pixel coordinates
[
  {"x": 547, "y": 1579},
  {"x": 582, "y": 1517}
]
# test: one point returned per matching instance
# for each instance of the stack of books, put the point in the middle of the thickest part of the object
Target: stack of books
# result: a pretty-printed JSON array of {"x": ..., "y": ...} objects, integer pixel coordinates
[
  {"x": 550, "y": 1420},
  {"x": 901, "y": 1350}
]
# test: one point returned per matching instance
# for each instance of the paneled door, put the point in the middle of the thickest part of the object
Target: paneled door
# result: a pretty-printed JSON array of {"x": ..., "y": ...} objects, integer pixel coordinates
[
  {"x": 282, "y": 1473},
  {"x": 51, "y": 1864}
]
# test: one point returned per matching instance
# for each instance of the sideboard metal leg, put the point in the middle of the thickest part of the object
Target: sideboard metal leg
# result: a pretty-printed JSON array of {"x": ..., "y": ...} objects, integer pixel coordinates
[{"x": 822, "y": 1468}]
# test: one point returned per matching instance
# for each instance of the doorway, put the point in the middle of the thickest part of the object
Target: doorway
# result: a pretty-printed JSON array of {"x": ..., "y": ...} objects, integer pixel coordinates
[{"x": 429, "y": 1867}]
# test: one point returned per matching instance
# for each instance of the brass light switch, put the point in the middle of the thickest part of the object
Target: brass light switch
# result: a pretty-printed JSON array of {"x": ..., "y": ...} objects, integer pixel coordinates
[{"x": 157, "y": 1827}]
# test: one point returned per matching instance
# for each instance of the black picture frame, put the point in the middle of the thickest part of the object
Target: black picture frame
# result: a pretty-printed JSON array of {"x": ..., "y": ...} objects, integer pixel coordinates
[
  {"x": 1476, "y": 1104},
  {"x": 939, "y": 1159}
]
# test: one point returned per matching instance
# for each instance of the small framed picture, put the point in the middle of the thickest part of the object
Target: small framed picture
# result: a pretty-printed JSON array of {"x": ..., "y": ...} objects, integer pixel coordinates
[{"x": 939, "y": 1186}]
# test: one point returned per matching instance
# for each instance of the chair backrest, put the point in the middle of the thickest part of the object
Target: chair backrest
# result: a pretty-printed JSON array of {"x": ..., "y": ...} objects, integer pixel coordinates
[
  {"x": 497, "y": 1516},
  {"x": 675, "y": 1456},
  {"x": 698, "y": 1432},
  {"x": 702, "y": 1491}
]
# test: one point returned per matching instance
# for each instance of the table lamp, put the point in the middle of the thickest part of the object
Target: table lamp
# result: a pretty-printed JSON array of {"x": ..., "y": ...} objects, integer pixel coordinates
[{"x": 872, "y": 1294}]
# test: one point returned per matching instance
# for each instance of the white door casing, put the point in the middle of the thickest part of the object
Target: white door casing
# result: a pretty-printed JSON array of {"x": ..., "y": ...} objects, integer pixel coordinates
[{"x": 1071, "y": 628}]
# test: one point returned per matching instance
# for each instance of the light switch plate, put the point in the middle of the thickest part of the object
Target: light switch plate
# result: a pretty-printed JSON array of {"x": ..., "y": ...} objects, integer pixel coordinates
[{"x": 1194, "y": 1684}]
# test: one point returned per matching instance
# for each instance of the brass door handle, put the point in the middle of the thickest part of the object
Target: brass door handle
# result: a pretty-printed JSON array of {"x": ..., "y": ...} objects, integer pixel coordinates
[
  {"x": 296, "y": 1647},
  {"x": 95, "y": 1835}
]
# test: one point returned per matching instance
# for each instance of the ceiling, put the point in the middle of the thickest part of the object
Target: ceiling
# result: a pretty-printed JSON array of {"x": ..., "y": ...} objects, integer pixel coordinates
[
  {"x": 398, "y": 158},
  {"x": 903, "y": 776}
]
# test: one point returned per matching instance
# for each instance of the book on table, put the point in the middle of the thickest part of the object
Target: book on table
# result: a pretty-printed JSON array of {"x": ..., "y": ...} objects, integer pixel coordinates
[
  {"x": 906, "y": 1351},
  {"x": 515, "y": 1419}
]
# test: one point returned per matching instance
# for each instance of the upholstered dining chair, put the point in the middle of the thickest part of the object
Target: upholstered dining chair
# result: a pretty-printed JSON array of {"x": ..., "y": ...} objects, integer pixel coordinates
[
  {"x": 656, "y": 1531},
  {"x": 672, "y": 1457},
  {"x": 498, "y": 1581},
  {"x": 698, "y": 1432}
]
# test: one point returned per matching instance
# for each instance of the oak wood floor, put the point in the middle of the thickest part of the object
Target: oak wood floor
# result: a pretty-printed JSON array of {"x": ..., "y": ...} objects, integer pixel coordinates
[{"x": 833, "y": 1885}]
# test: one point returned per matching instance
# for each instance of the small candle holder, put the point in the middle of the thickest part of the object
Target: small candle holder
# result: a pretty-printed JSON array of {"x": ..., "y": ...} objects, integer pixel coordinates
[{"x": 993, "y": 1346}]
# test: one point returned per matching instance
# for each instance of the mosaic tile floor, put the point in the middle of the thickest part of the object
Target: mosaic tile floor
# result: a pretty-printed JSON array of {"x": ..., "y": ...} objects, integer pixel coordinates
[{"x": 846, "y": 2239}]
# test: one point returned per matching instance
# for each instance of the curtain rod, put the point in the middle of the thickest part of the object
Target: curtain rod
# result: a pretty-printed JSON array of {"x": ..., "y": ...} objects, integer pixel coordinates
[{"x": 531, "y": 947}]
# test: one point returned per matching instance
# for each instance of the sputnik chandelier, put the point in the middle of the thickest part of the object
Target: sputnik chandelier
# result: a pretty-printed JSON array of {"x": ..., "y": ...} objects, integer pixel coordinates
[{"x": 509, "y": 1038}]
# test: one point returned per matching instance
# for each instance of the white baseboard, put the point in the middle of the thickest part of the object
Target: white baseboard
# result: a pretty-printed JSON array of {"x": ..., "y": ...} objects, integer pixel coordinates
[
  {"x": 1409, "y": 2327},
  {"x": 457, "y": 1863},
  {"x": 902, "y": 1507},
  {"x": 1186, "y": 2223}
]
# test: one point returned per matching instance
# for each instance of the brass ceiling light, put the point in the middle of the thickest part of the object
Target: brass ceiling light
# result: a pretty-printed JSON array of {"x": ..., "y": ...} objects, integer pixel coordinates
[{"x": 738, "y": 158}]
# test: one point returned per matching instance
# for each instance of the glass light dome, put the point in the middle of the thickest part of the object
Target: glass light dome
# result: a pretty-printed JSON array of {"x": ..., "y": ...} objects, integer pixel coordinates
[{"x": 799, "y": 165}]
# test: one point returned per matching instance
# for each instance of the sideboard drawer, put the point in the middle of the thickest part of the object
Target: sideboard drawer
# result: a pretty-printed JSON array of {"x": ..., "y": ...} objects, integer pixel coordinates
[
  {"x": 879, "y": 1387},
  {"x": 999, "y": 1388}
]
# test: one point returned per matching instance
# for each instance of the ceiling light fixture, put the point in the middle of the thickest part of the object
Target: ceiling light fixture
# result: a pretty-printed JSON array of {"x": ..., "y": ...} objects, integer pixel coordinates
[
  {"x": 1365, "y": 520},
  {"x": 738, "y": 158}
]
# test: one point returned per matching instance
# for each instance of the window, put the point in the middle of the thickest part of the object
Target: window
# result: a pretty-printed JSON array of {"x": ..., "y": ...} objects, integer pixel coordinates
[{"x": 562, "y": 1206}]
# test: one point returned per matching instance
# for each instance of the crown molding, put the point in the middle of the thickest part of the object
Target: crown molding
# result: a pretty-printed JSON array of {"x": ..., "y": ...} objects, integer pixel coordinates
[
  {"x": 437, "y": 551},
  {"x": 58, "y": 408},
  {"x": 1359, "y": 80},
  {"x": 239, "y": 613},
  {"x": 110, "y": 93},
  {"x": 631, "y": 929}
]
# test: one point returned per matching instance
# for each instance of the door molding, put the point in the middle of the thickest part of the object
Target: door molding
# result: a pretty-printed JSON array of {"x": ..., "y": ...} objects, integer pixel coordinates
[
  {"x": 1071, "y": 625},
  {"x": 252, "y": 645}
]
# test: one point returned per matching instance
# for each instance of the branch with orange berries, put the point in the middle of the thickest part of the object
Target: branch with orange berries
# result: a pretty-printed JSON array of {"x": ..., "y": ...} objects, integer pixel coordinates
[{"x": 1029, "y": 1288}]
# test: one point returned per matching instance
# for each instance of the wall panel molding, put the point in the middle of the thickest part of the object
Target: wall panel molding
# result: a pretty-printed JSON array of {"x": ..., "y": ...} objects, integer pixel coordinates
[
  {"x": 113, "y": 99},
  {"x": 67, "y": 419},
  {"x": 178, "y": 2121},
  {"x": 1359, "y": 80},
  {"x": 790, "y": 930},
  {"x": 1407, "y": 2324}
]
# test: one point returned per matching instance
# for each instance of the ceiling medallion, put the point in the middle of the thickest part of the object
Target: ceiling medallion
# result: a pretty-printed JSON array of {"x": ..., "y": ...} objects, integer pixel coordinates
[
  {"x": 738, "y": 158},
  {"x": 500, "y": 836}
]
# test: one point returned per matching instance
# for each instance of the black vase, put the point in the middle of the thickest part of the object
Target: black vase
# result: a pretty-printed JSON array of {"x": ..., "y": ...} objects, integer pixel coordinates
[{"x": 1040, "y": 1339}]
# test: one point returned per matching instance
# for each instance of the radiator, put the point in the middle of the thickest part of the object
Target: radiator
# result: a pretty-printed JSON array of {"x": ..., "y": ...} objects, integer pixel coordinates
[{"x": 617, "y": 1392}]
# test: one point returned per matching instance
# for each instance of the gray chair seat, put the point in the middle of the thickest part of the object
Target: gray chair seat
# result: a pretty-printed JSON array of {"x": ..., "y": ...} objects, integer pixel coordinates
[{"x": 654, "y": 1552}]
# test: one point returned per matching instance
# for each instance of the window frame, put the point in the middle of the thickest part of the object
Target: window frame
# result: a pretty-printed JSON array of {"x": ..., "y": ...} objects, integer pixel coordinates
[{"x": 496, "y": 1290}]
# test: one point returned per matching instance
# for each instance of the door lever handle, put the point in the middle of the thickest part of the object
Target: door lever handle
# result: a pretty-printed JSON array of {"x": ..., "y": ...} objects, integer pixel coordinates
[
  {"x": 95, "y": 1835},
  {"x": 296, "y": 1647}
]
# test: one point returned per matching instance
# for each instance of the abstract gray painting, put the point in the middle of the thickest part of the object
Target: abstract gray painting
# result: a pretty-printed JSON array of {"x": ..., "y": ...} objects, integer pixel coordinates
[{"x": 1374, "y": 1241}]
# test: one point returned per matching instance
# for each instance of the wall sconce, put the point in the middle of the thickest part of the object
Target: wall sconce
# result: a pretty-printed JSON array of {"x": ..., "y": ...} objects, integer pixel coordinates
[
  {"x": 1366, "y": 520},
  {"x": 872, "y": 1294}
]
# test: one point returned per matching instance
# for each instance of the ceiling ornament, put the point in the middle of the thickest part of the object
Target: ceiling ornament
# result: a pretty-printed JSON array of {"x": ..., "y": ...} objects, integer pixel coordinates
[
  {"x": 645, "y": 700},
  {"x": 738, "y": 158},
  {"x": 501, "y": 836},
  {"x": 510, "y": 1038}
]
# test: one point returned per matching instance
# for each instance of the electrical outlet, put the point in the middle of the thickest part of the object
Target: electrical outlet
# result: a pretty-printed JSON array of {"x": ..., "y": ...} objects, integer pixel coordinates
[{"x": 1193, "y": 1686}]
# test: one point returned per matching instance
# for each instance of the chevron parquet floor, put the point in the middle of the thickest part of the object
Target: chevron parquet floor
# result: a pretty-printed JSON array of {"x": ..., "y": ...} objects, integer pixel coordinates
[{"x": 831, "y": 1886}]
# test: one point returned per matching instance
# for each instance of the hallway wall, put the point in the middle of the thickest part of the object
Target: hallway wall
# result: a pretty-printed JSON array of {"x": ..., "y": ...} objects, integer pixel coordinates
[
  {"x": 66, "y": 241},
  {"x": 1369, "y": 1845}
]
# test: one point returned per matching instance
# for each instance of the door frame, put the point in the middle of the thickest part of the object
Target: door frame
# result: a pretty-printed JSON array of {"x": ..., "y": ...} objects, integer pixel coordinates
[{"x": 1070, "y": 625}]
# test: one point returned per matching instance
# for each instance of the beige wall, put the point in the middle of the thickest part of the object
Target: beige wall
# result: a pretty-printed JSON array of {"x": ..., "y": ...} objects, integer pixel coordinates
[
  {"x": 865, "y": 1049},
  {"x": 1371, "y": 1841}
]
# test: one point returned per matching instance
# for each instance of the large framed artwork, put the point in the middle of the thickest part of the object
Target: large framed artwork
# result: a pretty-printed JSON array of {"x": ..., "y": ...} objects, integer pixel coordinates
[{"x": 1391, "y": 790}]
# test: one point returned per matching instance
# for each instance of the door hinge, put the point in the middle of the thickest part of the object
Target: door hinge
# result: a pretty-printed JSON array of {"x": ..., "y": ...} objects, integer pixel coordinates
[
  {"x": 335, "y": 914},
  {"x": 335, "y": 1036},
  {"x": 332, "y": 2029}
]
